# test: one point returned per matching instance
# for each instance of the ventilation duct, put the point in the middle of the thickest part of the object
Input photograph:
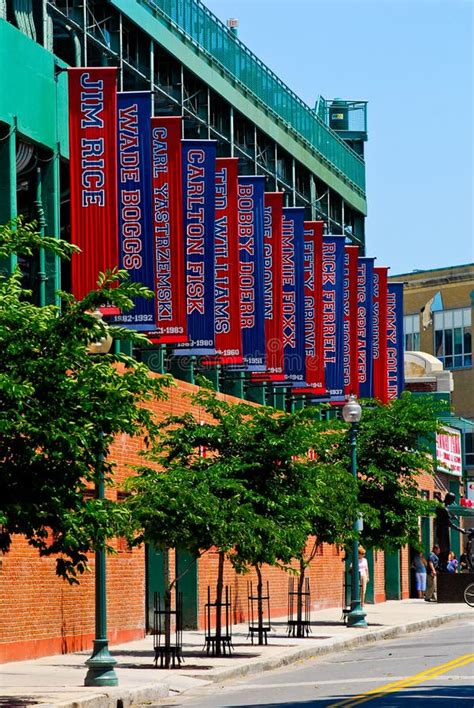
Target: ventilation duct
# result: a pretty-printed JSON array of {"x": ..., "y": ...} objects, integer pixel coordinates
[{"x": 25, "y": 157}]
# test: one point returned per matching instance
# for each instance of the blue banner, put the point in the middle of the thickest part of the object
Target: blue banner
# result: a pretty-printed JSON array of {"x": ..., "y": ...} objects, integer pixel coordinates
[
  {"x": 395, "y": 343},
  {"x": 333, "y": 315},
  {"x": 250, "y": 229},
  {"x": 199, "y": 169},
  {"x": 365, "y": 325},
  {"x": 134, "y": 203},
  {"x": 293, "y": 309}
]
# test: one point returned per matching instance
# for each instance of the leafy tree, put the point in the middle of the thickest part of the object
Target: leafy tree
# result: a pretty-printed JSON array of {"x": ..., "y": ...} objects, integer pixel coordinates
[{"x": 61, "y": 407}]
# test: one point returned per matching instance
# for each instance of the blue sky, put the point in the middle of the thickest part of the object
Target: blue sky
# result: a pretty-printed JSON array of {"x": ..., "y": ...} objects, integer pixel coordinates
[{"x": 413, "y": 61}]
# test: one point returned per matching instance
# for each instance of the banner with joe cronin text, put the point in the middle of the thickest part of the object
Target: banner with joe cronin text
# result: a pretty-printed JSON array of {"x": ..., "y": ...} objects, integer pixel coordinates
[
  {"x": 199, "y": 168},
  {"x": 365, "y": 305},
  {"x": 351, "y": 379},
  {"x": 273, "y": 217},
  {"x": 379, "y": 338},
  {"x": 333, "y": 315},
  {"x": 313, "y": 290},
  {"x": 395, "y": 343},
  {"x": 93, "y": 173},
  {"x": 168, "y": 231},
  {"x": 250, "y": 230},
  {"x": 293, "y": 295},
  {"x": 134, "y": 202}
]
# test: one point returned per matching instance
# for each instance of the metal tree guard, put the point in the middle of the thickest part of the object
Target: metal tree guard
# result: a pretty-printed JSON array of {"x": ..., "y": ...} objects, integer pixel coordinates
[
  {"x": 168, "y": 644},
  {"x": 219, "y": 641},
  {"x": 299, "y": 604}
]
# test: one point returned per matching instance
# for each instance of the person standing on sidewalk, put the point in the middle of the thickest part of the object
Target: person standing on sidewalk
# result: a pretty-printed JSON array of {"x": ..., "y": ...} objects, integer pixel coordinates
[
  {"x": 419, "y": 565},
  {"x": 431, "y": 575}
]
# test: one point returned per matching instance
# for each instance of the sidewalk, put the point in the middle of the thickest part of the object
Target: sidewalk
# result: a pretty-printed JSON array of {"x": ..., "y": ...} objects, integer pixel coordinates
[{"x": 57, "y": 680}]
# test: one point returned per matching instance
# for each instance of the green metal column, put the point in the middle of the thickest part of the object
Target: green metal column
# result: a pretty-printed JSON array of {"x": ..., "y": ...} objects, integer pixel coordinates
[
  {"x": 155, "y": 580},
  {"x": 392, "y": 576},
  {"x": 370, "y": 590},
  {"x": 212, "y": 374},
  {"x": 455, "y": 536},
  {"x": 256, "y": 392},
  {"x": 186, "y": 567},
  {"x": 233, "y": 383},
  {"x": 426, "y": 535},
  {"x": 182, "y": 368},
  {"x": 8, "y": 200},
  {"x": 154, "y": 358},
  {"x": 51, "y": 203}
]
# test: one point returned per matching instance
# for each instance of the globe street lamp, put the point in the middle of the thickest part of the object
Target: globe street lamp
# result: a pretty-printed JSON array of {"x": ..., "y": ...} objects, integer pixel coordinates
[
  {"x": 352, "y": 413},
  {"x": 101, "y": 664}
]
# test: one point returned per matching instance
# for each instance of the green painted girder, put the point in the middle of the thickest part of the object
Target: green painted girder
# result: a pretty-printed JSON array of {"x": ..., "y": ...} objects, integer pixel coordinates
[
  {"x": 30, "y": 92},
  {"x": 190, "y": 56}
]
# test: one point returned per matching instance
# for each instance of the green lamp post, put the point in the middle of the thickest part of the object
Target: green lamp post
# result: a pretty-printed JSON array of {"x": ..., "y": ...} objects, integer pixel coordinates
[
  {"x": 101, "y": 664},
  {"x": 352, "y": 413}
]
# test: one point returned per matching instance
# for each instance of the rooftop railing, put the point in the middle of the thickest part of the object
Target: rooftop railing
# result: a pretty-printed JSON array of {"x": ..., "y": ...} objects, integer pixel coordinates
[{"x": 196, "y": 24}]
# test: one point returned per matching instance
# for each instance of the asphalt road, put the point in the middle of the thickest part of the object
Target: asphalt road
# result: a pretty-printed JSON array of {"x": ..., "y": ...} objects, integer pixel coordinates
[{"x": 432, "y": 668}]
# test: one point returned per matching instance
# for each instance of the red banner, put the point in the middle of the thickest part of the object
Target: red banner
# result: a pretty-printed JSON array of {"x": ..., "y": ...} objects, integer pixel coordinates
[
  {"x": 93, "y": 173},
  {"x": 351, "y": 377},
  {"x": 226, "y": 257},
  {"x": 313, "y": 291},
  {"x": 273, "y": 288},
  {"x": 379, "y": 371},
  {"x": 168, "y": 233}
]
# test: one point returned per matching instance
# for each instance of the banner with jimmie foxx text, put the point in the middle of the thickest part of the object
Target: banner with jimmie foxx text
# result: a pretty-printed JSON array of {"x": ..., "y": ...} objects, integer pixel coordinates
[
  {"x": 250, "y": 229},
  {"x": 395, "y": 343},
  {"x": 199, "y": 198},
  {"x": 333, "y": 315},
  {"x": 313, "y": 301},
  {"x": 273, "y": 285},
  {"x": 365, "y": 305},
  {"x": 134, "y": 203},
  {"x": 93, "y": 173},
  {"x": 293, "y": 295},
  {"x": 168, "y": 231}
]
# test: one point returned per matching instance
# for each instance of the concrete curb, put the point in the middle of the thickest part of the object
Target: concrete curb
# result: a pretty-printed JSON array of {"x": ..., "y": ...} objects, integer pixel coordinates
[{"x": 115, "y": 698}]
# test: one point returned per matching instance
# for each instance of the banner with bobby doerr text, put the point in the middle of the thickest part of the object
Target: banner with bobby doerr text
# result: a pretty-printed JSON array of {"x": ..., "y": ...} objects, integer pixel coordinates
[
  {"x": 333, "y": 315},
  {"x": 365, "y": 305},
  {"x": 134, "y": 203},
  {"x": 313, "y": 303},
  {"x": 292, "y": 270},
  {"x": 395, "y": 342},
  {"x": 250, "y": 230},
  {"x": 273, "y": 217},
  {"x": 199, "y": 198},
  {"x": 93, "y": 173}
]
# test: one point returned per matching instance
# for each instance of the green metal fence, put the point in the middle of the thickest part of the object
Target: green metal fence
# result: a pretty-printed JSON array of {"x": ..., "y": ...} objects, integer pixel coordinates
[{"x": 196, "y": 24}]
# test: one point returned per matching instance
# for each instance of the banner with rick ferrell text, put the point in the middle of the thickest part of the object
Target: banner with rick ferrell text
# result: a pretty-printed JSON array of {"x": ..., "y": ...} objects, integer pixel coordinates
[{"x": 333, "y": 315}]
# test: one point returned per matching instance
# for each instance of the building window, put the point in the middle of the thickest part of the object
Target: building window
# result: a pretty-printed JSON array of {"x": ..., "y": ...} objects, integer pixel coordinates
[
  {"x": 452, "y": 337},
  {"x": 469, "y": 449},
  {"x": 411, "y": 328}
]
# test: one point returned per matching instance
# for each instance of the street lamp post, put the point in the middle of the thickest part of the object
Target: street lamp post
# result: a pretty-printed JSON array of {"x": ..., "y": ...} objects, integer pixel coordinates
[
  {"x": 101, "y": 664},
  {"x": 352, "y": 413}
]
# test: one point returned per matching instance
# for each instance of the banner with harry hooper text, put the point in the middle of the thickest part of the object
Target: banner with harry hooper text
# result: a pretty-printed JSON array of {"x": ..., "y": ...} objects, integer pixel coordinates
[
  {"x": 199, "y": 168},
  {"x": 365, "y": 305},
  {"x": 93, "y": 173},
  {"x": 293, "y": 295},
  {"x": 351, "y": 378},
  {"x": 313, "y": 299},
  {"x": 168, "y": 231},
  {"x": 273, "y": 217},
  {"x": 379, "y": 339},
  {"x": 250, "y": 230},
  {"x": 395, "y": 343},
  {"x": 333, "y": 315}
]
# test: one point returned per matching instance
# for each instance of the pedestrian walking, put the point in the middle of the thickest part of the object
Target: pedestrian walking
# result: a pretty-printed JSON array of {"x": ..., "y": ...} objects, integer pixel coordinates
[
  {"x": 431, "y": 575},
  {"x": 419, "y": 565},
  {"x": 363, "y": 573}
]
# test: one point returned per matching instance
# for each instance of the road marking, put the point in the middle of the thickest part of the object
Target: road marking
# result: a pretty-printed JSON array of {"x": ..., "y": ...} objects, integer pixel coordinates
[
  {"x": 333, "y": 682},
  {"x": 393, "y": 687}
]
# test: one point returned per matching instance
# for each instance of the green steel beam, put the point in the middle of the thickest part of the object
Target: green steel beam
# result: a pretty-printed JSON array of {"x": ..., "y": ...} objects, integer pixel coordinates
[{"x": 189, "y": 56}]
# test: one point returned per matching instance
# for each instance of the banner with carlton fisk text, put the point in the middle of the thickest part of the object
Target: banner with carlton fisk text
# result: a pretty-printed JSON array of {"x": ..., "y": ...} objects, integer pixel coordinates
[
  {"x": 313, "y": 302},
  {"x": 293, "y": 295},
  {"x": 226, "y": 254},
  {"x": 395, "y": 343},
  {"x": 333, "y": 315},
  {"x": 250, "y": 230},
  {"x": 379, "y": 338},
  {"x": 351, "y": 378},
  {"x": 365, "y": 308},
  {"x": 168, "y": 231},
  {"x": 273, "y": 218},
  {"x": 93, "y": 173},
  {"x": 199, "y": 167},
  {"x": 134, "y": 202}
]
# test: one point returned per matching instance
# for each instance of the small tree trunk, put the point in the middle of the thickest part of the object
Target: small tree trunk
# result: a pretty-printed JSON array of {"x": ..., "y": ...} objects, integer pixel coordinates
[
  {"x": 299, "y": 601},
  {"x": 259, "y": 604},
  {"x": 219, "y": 592}
]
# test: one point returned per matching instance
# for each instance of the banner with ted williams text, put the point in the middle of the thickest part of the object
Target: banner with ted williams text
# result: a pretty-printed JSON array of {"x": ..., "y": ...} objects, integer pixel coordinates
[
  {"x": 395, "y": 343},
  {"x": 273, "y": 218},
  {"x": 365, "y": 308},
  {"x": 313, "y": 300},
  {"x": 333, "y": 315},
  {"x": 199, "y": 198},
  {"x": 351, "y": 378},
  {"x": 293, "y": 295},
  {"x": 379, "y": 338},
  {"x": 226, "y": 254},
  {"x": 168, "y": 231},
  {"x": 250, "y": 230},
  {"x": 93, "y": 174},
  {"x": 134, "y": 203}
]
